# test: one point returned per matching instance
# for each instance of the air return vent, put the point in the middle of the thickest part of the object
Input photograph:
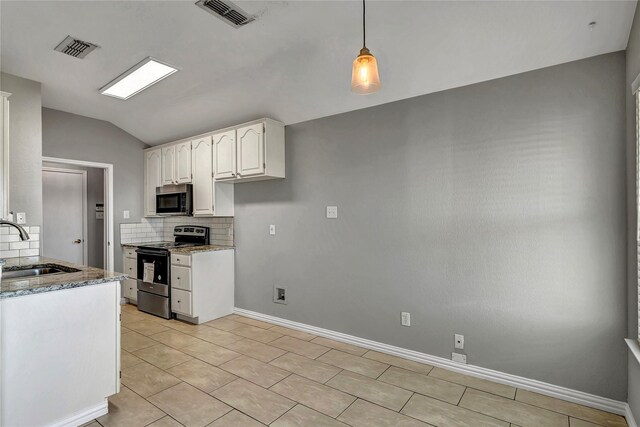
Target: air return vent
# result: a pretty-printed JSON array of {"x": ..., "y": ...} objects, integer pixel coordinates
[
  {"x": 227, "y": 11},
  {"x": 75, "y": 47}
]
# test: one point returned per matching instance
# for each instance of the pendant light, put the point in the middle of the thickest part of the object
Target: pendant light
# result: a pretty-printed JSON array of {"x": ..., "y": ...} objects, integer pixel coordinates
[{"x": 364, "y": 75}]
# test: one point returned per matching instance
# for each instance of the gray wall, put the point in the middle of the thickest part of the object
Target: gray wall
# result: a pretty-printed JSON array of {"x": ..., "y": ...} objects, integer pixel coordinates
[
  {"x": 70, "y": 136},
  {"x": 495, "y": 210},
  {"x": 25, "y": 136},
  {"x": 95, "y": 227},
  {"x": 633, "y": 69}
]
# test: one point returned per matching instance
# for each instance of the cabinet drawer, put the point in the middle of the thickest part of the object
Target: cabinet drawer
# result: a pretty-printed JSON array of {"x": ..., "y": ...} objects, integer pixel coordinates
[
  {"x": 181, "y": 278},
  {"x": 130, "y": 290},
  {"x": 131, "y": 267},
  {"x": 130, "y": 253},
  {"x": 181, "y": 302},
  {"x": 181, "y": 259}
]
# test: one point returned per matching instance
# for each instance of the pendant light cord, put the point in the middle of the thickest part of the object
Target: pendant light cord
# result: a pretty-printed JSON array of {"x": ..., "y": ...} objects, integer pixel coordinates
[{"x": 364, "y": 25}]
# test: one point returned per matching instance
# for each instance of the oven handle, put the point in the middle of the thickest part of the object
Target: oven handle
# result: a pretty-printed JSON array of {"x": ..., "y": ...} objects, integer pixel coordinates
[{"x": 158, "y": 252}]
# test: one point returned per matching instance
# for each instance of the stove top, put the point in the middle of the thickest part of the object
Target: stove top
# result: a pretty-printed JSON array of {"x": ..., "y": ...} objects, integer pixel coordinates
[{"x": 168, "y": 245}]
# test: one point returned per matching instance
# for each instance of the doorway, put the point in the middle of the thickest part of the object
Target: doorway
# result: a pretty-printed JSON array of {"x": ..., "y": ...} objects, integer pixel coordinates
[
  {"x": 78, "y": 211},
  {"x": 65, "y": 222}
]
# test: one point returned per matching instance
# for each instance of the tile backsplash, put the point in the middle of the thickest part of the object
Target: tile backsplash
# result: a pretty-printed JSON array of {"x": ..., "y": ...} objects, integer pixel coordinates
[
  {"x": 161, "y": 229},
  {"x": 12, "y": 247}
]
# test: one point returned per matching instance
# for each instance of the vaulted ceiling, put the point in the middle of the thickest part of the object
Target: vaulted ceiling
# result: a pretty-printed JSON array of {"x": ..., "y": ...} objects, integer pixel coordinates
[{"x": 294, "y": 62}]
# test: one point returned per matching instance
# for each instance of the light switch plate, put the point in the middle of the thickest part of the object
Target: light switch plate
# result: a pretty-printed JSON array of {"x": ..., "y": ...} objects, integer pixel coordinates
[
  {"x": 332, "y": 212},
  {"x": 125, "y": 214},
  {"x": 21, "y": 218},
  {"x": 272, "y": 229}
]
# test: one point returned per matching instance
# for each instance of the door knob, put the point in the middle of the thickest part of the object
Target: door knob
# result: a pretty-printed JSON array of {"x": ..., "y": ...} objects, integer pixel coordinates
[{"x": 77, "y": 241}]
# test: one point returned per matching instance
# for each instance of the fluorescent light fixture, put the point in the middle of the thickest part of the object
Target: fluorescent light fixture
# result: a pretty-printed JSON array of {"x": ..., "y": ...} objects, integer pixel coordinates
[{"x": 139, "y": 77}]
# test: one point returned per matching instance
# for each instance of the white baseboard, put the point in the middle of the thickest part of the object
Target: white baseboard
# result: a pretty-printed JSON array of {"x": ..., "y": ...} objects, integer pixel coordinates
[
  {"x": 84, "y": 416},
  {"x": 575, "y": 396}
]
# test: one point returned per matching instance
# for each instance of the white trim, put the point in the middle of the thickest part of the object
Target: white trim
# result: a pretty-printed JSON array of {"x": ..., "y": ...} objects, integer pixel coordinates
[
  {"x": 84, "y": 416},
  {"x": 631, "y": 421},
  {"x": 547, "y": 389},
  {"x": 634, "y": 347},
  {"x": 85, "y": 229},
  {"x": 108, "y": 184},
  {"x": 635, "y": 85}
]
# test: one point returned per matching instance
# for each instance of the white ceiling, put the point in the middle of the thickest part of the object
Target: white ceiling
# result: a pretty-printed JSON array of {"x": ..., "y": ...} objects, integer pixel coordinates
[{"x": 294, "y": 63}]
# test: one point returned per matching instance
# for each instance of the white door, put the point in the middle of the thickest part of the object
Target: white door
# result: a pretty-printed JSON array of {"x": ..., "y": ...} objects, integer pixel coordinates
[
  {"x": 224, "y": 158},
  {"x": 251, "y": 150},
  {"x": 201, "y": 165},
  {"x": 64, "y": 208},
  {"x": 183, "y": 162},
  {"x": 152, "y": 179},
  {"x": 168, "y": 165}
]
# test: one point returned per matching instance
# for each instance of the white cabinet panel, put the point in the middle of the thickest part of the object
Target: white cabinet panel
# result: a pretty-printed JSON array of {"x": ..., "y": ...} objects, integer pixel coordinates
[
  {"x": 201, "y": 163},
  {"x": 168, "y": 165},
  {"x": 224, "y": 158},
  {"x": 183, "y": 163},
  {"x": 181, "y": 278},
  {"x": 181, "y": 302},
  {"x": 179, "y": 259},
  {"x": 250, "y": 150},
  {"x": 152, "y": 179}
]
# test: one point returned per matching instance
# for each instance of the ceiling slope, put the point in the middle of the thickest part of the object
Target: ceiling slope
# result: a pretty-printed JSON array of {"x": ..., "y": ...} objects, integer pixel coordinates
[{"x": 294, "y": 62}]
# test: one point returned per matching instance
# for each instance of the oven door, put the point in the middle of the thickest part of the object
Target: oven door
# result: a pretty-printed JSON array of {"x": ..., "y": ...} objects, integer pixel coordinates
[{"x": 153, "y": 282}]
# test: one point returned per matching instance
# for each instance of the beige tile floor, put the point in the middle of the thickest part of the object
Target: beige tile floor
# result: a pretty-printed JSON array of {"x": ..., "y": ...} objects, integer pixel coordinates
[{"x": 241, "y": 372}]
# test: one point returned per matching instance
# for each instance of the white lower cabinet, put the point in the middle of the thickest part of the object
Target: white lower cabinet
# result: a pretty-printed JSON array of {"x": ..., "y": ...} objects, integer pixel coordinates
[
  {"x": 202, "y": 285},
  {"x": 130, "y": 286}
]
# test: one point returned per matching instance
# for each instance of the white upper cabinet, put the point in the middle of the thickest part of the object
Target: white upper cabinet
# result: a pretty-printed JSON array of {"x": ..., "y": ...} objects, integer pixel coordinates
[
  {"x": 209, "y": 198},
  {"x": 169, "y": 165},
  {"x": 250, "y": 149},
  {"x": 183, "y": 163},
  {"x": 152, "y": 179},
  {"x": 201, "y": 153},
  {"x": 224, "y": 158}
]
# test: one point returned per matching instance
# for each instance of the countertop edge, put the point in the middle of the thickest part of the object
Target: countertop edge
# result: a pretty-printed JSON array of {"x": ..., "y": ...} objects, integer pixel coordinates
[{"x": 58, "y": 287}]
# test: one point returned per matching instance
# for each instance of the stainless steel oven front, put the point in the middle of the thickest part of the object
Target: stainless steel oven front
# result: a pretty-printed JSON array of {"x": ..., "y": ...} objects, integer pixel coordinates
[{"x": 154, "y": 292}]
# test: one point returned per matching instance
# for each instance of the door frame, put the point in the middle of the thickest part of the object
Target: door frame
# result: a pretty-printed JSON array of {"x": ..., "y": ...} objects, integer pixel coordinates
[
  {"x": 108, "y": 203},
  {"x": 85, "y": 246}
]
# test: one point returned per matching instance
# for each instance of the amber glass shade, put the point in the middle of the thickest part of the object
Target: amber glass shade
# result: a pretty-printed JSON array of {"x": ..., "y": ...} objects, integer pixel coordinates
[{"x": 364, "y": 76}]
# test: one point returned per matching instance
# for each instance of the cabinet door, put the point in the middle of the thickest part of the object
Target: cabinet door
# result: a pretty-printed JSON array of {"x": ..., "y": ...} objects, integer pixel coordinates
[
  {"x": 152, "y": 179},
  {"x": 168, "y": 165},
  {"x": 181, "y": 302},
  {"x": 180, "y": 278},
  {"x": 224, "y": 155},
  {"x": 183, "y": 163},
  {"x": 250, "y": 149},
  {"x": 201, "y": 164}
]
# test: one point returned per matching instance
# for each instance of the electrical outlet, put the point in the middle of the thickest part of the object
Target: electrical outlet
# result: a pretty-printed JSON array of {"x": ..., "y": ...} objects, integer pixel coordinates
[
  {"x": 21, "y": 218},
  {"x": 406, "y": 318},
  {"x": 459, "y": 341},
  {"x": 280, "y": 295},
  {"x": 332, "y": 212},
  {"x": 460, "y": 358},
  {"x": 272, "y": 229},
  {"x": 125, "y": 214}
]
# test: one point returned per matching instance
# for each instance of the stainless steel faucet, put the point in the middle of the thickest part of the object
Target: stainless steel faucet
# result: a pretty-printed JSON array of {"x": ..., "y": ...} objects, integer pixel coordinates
[{"x": 23, "y": 234}]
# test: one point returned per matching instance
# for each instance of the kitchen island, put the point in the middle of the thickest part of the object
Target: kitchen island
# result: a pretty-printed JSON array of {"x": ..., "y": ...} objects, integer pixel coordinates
[{"x": 60, "y": 343}]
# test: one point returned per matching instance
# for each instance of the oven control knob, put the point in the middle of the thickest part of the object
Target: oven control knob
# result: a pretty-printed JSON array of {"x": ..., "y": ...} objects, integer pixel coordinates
[{"x": 159, "y": 277}]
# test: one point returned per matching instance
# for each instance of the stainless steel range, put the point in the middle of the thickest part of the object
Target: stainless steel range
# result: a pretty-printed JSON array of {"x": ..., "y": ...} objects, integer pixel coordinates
[{"x": 154, "y": 268}]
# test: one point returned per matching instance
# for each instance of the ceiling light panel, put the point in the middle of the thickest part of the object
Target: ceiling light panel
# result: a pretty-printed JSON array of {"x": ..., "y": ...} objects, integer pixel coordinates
[{"x": 139, "y": 77}]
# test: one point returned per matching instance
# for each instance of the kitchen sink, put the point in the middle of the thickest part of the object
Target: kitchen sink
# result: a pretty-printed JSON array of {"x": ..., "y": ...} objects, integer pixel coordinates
[{"x": 36, "y": 270}]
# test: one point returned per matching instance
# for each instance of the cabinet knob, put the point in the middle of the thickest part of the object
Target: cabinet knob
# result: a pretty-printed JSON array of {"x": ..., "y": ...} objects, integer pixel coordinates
[
  {"x": 178, "y": 278},
  {"x": 179, "y": 301}
]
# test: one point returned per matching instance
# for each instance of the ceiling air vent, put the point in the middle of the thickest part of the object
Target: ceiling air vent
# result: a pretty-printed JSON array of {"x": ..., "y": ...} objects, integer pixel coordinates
[
  {"x": 75, "y": 47},
  {"x": 227, "y": 11}
]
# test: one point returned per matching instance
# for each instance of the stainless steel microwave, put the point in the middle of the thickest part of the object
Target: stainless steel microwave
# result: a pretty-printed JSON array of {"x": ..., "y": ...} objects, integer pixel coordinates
[{"x": 174, "y": 199}]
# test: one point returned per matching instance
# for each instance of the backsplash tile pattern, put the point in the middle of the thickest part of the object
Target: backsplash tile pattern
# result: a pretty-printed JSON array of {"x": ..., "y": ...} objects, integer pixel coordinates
[
  {"x": 161, "y": 229},
  {"x": 12, "y": 247}
]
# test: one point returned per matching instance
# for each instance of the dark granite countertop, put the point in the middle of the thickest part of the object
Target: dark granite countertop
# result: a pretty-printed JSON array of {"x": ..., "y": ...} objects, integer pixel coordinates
[{"x": 20, "y": 286}]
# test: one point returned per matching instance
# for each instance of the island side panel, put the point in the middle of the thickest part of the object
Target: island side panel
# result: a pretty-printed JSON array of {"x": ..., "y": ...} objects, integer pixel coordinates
[{"x": 60, "y": 355}]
